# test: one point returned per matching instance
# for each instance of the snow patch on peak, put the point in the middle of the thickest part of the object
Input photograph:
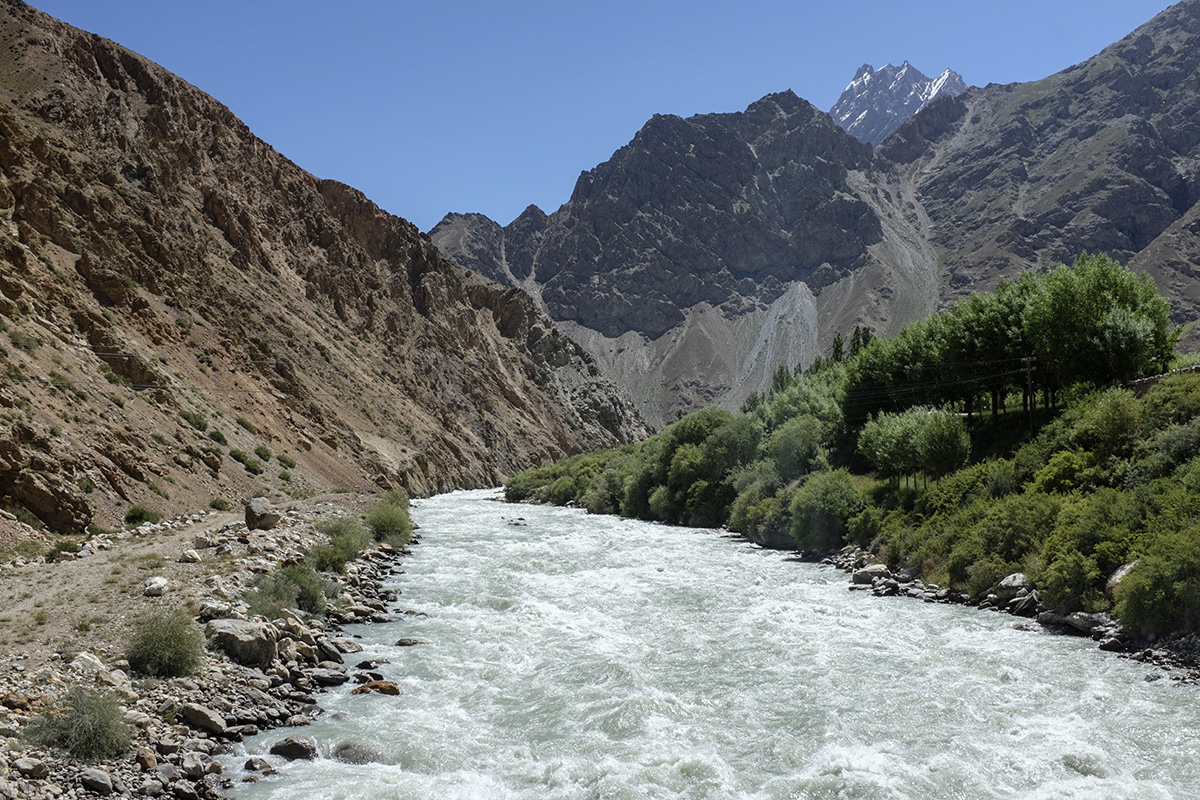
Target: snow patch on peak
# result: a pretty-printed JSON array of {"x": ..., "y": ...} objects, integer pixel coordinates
[{"x": 876, "y": 102}]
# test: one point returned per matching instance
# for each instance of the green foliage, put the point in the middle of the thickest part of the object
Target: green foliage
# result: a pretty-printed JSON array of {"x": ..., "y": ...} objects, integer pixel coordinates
[
  {"x": 285, "y": 461},
  {"x": 347, "y": 538},
  {"x": 219, "y": 504},
  {"x": 247, "y": 425},
  {"x": 23, "y": 341},
  {"x": 136, "y": 515},
  {"x": 389, "y": 520},
  {"x": 195, "y": 419},
  {"x": 165, "y": 645},
  {"x": 253, "y": 466},
  {"x": 821, "y": 509},
  {"x": 1161, "y": 594},
  {"x": 218, "y": 437},
  {"x": 89, "y": 725},
  {"x": 291, "y": 586},
  {"x": 262, "y": 452}
]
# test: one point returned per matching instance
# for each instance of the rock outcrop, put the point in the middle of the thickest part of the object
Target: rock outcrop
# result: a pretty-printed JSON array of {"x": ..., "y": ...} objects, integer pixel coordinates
[{"x": 182, "y": 306}]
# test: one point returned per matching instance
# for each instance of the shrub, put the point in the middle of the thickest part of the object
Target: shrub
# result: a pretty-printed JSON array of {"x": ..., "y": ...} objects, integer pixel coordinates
[
  {"x": 219, "y": 504},
  {"x": 195, "y": 419},
  {"x": 291, "y": 586},
  {"x": 247, "y": 424},
  {"x": 165, "y": 645},
  {"x": 1161, "y": 594},
  {"x": 90, "y": 726},
  {"x": 285, "y": 461},
  {"x": 136, "y": 515},
  {"x": 262, "y": 452},
  {"x": 347, "y": 538},
  {"x": 821, "y": 509},
  {"x": 253, "y": 466},
  {"x": 218, "y": 437},
  {"x": 388, "y": 519}
]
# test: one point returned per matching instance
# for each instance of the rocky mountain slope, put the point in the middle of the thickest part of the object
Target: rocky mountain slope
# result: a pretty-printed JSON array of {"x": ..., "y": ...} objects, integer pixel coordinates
[
  {"x": 712, "y": 249},
  {"x": 877, "y": 102},
  {"x": 186, "y": 315}
]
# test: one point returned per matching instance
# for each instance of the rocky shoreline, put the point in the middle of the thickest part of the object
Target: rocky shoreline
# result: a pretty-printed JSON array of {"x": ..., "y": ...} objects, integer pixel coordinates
[
  {"x": 1177, "y": 659},
  {"x": 256, "y": 675}
]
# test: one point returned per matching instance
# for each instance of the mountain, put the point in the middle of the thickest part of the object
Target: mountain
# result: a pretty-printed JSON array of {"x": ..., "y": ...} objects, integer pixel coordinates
[
  {"x": 186, "y": 315},
  {"x": 876, "y": 102},
  {"x": 711, "y": 250}
]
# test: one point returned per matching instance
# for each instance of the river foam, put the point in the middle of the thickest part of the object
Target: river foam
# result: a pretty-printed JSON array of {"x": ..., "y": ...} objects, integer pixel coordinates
[{"x": 592, "y": 657}]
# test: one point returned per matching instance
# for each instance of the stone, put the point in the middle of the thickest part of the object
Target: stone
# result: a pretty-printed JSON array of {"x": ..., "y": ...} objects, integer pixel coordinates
[
  {"x": 1085, "y": 623},
  {"x": 189, "y": 557},
  {"x": 328, "y": 677},
  {"x": 377, "y": 687},
  {"x": 251, "y": 644},
  {"x": 1114, "y": 581},
  {"x": 87, "y": 663},
  {"x": 295, "y": 748},
  {"x": 202, "y": 717},
  {"x": 1010, "y": 586},
  {"x": 155, "y": 587},
  {"x": 185, "y": 790},
  {"x": 96, "y": 780},
  {"x": 261, "y": 515},
  {"x": 870, "y": 572},
  {"x": 145, "y": 759},
  {"x": 1026, "y": 606},
  {"x": 356, "y": 751},
  {"x": 192, "y": 765},
  {"x": 31, "y": 767},
  {"x": 150, "y": 788},
  {"x": 408, "y": 642},
  {"x": 257, "y": 764}
]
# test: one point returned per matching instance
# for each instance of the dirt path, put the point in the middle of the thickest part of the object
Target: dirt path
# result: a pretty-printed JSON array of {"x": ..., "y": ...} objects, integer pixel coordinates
[{"x": 93, "y": 603}]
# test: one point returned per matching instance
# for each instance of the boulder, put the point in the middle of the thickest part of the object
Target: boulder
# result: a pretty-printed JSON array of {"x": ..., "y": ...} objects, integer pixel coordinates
[
  {"x": 1026, "y": 606},
  {"x": 1114, "y": 581},
  {"x": 328, "y": 677},
  {"x": 1085, "y": 623},
  {"x": 261, "y": 515},
  {"x": 203, "y": 717},
  {"x": 189, "y": 557},
  {"x": 378, "y": 687},
  {"x": 295, "y": 748},
  {"x": 97, "y": 781},
  {"x": 29, "y": 767},
  {"x": 156, "y": 586},
  {"x": 356, "y": 751},
  {"x": 870, "y": 572},
  {"x": 251, "y": 644},
  {"x": 1011, "y": 586},
  {"x": 87, "y": 663}
]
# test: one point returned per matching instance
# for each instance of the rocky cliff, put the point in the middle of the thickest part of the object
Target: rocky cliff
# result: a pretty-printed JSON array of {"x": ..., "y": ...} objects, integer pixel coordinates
[
  {"x": 877, "y": 102},
  {"x": 711, "y": 249},
  {"x": 186, "y": 315}
]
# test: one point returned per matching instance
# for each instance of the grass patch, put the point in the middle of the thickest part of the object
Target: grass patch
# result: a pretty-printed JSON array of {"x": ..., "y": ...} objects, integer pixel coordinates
[
  {"x": 166, "y": 645},
  {"x": 89, "y": 725},
  {"x": 218, "y": 437},
  {"x": 347, "y": 538},
  {"x": 247, "y": 424},
  {"x": 293, "y": 586},
  {"x": 285, "y": 461},
  {"x": 262, "y": 452},
  {"x": 136, "y": 515},
  {"x": 252, "y": 465},
  {"x": 195, "y": 419},
  {"x": 219, "y": 504}
]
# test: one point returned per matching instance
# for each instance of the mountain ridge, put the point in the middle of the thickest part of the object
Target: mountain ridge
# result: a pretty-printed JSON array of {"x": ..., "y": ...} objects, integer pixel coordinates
[{"x": 876, "y": 102}]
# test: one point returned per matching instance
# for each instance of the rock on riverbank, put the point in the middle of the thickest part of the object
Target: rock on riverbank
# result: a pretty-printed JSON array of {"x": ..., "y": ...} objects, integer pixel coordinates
[{"x": 1178, "y": 659}]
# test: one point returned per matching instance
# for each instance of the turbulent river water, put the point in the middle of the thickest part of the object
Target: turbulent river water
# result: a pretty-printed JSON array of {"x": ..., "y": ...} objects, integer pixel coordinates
[{"x": 573, "y": 656}]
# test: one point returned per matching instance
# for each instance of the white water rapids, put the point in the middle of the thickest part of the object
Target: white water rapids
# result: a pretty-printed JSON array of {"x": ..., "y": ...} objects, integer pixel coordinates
[{"x": 578, "y": 656}]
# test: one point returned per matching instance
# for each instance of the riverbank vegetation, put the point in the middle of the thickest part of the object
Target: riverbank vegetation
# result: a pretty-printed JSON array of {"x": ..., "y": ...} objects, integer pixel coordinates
[{"x": 1002, "y": 435}]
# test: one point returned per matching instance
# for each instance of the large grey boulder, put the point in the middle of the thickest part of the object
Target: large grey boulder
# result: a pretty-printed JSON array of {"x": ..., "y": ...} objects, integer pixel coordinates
[
  {"x": 203, "y": 717},
  {"x": 1011, "y": 586},
  {"x": 868, "y": 574},
  {"x": 251, "y": 644},
  {"x": 97, "y": 781},
  {"x": 261, "y": 515},
  {"x": 1114, "y": 581},
  {"x": 356, "y": 751},
  {"x": 294, "y": 748}
]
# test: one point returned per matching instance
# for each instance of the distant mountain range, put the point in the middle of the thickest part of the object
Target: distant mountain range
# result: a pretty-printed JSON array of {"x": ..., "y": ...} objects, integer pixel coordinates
[
  {"x": 710, "y": 250},
  {"x": 876, "y": 102}
]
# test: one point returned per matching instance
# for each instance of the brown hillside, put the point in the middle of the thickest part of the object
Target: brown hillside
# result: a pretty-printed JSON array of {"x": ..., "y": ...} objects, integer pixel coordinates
[{"x": 174, "y": 291}]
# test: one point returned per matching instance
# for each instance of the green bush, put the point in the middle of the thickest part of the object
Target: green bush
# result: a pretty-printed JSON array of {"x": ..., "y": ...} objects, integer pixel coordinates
[
  {"x": 194, "y": 419},
  {"x": 253, "y": 466},
  {"x": 219, "y": 504},
  {"x": 136, "y": 515},
  {"x": 165, "y": 645},
  {"x": 218, "y": 437},
  {"x": 821, "y": 510},
  {"x": 291, "y": 586},
  {"x": 347, "y": 538},
  {"x": 247, "y": 425},
  {"x": 89, "y": 725},
  {"x": 388, "y": 519},
  {"x": 262, "y": 452},
  {"x": 1161, "y": 594},
  {"x": 285, "y": 461}
]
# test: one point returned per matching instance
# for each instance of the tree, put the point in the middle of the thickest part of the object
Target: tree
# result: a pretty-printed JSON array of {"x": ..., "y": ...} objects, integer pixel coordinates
[{"x": 821, "y": 508}]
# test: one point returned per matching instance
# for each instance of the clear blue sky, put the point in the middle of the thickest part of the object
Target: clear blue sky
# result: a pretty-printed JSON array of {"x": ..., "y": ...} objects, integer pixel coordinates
[{"x": 431, "y": 106}]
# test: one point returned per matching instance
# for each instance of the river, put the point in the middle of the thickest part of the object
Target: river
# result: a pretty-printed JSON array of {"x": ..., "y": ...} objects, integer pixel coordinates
[{"x": 574, "y": 656}]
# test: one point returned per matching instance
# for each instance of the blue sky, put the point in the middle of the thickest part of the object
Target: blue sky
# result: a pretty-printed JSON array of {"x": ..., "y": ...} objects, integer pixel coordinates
[{"x": 431, "y": 106}]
